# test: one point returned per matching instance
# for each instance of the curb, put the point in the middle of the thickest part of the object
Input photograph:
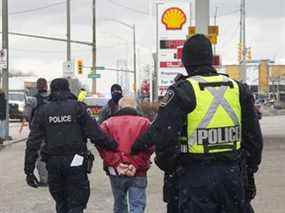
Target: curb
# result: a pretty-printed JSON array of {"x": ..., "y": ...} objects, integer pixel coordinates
[{"x": 9, "y": 143}]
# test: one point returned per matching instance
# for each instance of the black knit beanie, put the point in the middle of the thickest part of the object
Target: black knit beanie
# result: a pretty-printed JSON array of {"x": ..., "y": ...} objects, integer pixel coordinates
[
  {"x": 59, "y": 85},
  {"x": 115, "y": 87},
  {"x": 197, "y": 51}
]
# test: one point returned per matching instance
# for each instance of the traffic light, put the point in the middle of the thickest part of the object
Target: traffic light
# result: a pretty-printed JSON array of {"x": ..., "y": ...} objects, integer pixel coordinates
[
  {"x": 249, "y": 56},
  {"x": 79, "y": 65}
]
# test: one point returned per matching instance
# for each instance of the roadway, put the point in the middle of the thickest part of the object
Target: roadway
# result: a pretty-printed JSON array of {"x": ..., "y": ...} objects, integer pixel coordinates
[{"x": 17, "y": 197}]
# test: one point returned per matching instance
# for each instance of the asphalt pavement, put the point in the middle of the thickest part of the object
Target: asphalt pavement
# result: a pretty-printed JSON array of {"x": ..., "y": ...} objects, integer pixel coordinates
[{"x": 17, "y": 197}]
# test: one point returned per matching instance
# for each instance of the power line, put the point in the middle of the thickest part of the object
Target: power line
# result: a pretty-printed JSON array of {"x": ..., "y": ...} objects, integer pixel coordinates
[
  {"x": 229, "y": 13},
  {"x": 37, "y": 8},
  {"x": 232, "y": 37},
  {"x": 129, "y": 8}
]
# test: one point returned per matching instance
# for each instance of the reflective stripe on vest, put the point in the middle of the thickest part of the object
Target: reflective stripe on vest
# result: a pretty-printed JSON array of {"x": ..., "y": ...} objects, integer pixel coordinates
[{"x": 215, "y": 124}]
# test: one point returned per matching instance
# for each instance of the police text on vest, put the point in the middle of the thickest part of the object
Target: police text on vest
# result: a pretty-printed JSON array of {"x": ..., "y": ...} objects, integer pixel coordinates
[{"x": 60, "y": 119}]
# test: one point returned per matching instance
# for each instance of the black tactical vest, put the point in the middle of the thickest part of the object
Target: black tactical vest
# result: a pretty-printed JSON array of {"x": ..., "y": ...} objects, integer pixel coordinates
[{"x": 63, "y": 132}]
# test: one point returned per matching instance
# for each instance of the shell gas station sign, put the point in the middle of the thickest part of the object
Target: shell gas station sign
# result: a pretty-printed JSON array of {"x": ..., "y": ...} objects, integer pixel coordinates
[
  {"x": 173, "y": 23},
  {"x": 174, "y": 18}
]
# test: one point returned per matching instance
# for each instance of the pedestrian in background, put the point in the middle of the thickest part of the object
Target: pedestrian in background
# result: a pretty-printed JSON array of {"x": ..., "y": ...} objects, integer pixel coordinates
[
  {"x": 82, "y": 95},
  {"x": 112, "y": 107},
  {"x": 127, "y": 172},
  {"x": 64, "y": 124},
  {"x": 3, "y": 106}
]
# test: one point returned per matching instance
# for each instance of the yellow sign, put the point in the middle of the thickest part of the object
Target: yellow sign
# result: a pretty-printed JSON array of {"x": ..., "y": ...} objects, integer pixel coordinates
[
  {"x": 174, "y": 18},
  {"x": 277, "y": 71},
  {"x": 191, "y": 31},
  {"x": 213, "y": 38},
  {"x": 233, "y": 71},
  {"x": 264, "y": 76},
  {"x": 213, "y": 30}
]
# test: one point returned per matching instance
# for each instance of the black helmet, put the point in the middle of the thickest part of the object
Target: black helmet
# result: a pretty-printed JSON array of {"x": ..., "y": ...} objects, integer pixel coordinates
[
  {"x": 59, "y": 85},
  {"x": 197, "y": 51}
]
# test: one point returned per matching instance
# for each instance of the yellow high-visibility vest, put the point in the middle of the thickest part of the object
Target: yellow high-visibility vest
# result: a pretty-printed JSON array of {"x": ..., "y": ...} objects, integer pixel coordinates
[
  {"x": 82, "y": 95},
  {"x": 215, "y": 124}
]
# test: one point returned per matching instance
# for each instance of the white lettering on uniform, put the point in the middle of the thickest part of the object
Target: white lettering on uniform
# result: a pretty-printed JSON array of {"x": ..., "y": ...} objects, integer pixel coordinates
[
  {"x": 213, "y": 136},
  {"x": 60, "y": 119},
  {"x": 202, "y": 134}
]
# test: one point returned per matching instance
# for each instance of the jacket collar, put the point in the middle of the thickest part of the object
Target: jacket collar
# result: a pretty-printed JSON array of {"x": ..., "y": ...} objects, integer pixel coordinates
[
  {"x": 204, "y": 71},
  {"x": 127, "y": 111}
]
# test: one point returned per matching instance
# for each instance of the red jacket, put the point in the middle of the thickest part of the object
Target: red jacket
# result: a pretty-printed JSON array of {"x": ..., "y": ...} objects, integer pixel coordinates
[{"x": 125, "y": 127}]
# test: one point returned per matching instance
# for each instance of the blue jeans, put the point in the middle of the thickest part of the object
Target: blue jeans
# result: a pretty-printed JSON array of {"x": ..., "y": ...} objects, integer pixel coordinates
[
  {"x": 2, "y": 129},
  {"x": 129, "y": 191}
]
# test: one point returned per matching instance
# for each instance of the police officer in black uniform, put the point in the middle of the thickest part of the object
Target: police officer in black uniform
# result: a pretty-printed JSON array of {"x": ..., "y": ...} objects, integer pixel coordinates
[
  {"x": 64, "y": 124},
  {"x": 203, "y": 123}
]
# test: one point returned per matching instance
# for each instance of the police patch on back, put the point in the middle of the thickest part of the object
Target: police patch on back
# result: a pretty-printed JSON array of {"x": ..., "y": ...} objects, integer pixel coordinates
[
  {"x": 167, "y": 98},
  {"x": 60, "y": 119}
]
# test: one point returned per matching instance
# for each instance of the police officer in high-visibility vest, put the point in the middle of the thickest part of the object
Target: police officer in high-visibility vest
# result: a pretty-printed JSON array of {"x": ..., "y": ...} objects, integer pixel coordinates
[
  {"x": 82, "y": 95},
  {"x": 203, "y": 123}
]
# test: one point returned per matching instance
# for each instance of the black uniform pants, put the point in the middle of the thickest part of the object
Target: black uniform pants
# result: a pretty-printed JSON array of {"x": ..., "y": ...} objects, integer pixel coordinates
[
  {"x": 208, "y": 188},
  {"x": 69, "y": 186},
  {"x": 171, "y": 193}
]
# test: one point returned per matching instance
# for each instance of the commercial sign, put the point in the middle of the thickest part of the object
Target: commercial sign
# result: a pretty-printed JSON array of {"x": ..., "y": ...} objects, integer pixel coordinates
[
  {"x": 3, "y": 59},
  {"x": 173, "y": 23}
]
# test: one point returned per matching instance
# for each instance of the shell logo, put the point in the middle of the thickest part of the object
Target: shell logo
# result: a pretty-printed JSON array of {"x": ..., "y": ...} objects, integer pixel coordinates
[{"x": 173, "y": 18}]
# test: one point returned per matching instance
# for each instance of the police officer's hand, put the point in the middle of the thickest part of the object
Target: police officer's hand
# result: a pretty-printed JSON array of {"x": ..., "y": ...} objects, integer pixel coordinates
[
  {"x": 113, "y": 145},
  {"x": 179, "y": 77},
  {"x": 251, "y": 191},
  {"x": 138, "y": 147},
  {"x": 32, "y": 181}
]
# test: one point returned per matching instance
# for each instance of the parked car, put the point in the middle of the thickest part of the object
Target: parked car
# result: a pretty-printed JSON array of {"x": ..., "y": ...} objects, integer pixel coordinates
[
  {"x": 17, "y": 101},
  {"x": 95, "y": 105}
]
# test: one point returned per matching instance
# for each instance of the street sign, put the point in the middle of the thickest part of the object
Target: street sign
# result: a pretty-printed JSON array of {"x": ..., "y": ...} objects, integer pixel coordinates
[
  {"x": 191, "y": 31},
  {"x": 68, "y": 69},
  {"x": 3, "y": 58},
  {"x": 213, "y": 38},
  {"x": 93, "y": 75},
  {"x": 100, "y": 68},
  {"x": 213, "y": 30}
]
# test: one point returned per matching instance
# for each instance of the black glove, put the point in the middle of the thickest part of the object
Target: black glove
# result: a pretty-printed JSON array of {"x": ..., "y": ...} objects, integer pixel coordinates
[
  {"x": 112, "y": 145},
  {"x": 138, "y": 147},
  {"x": 251, "y": 189},
  {"x": 32, "y": 181}
]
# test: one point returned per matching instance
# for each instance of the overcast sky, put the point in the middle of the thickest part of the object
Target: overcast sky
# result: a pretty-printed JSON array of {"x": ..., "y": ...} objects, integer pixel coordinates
[{"x": 265, "y": 33}]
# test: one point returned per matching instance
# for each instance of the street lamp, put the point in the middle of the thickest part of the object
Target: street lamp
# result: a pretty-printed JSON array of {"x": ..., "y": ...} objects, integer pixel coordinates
[{"x": 133, "y": 28}]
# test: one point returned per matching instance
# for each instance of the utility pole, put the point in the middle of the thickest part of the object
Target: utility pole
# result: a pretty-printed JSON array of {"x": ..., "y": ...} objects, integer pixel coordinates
[
  {"x": 155, "y": 59},
  {"x": 68, "y": 51},
  {"x": 135, "y": 60},
  {"x": 215, "y": 24},
  {"x": 5, "y": 71},
  {"x": 94, "y": 90},
  {"x": 243, "y": 41},
  {"x": 202, "y": 16}
]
